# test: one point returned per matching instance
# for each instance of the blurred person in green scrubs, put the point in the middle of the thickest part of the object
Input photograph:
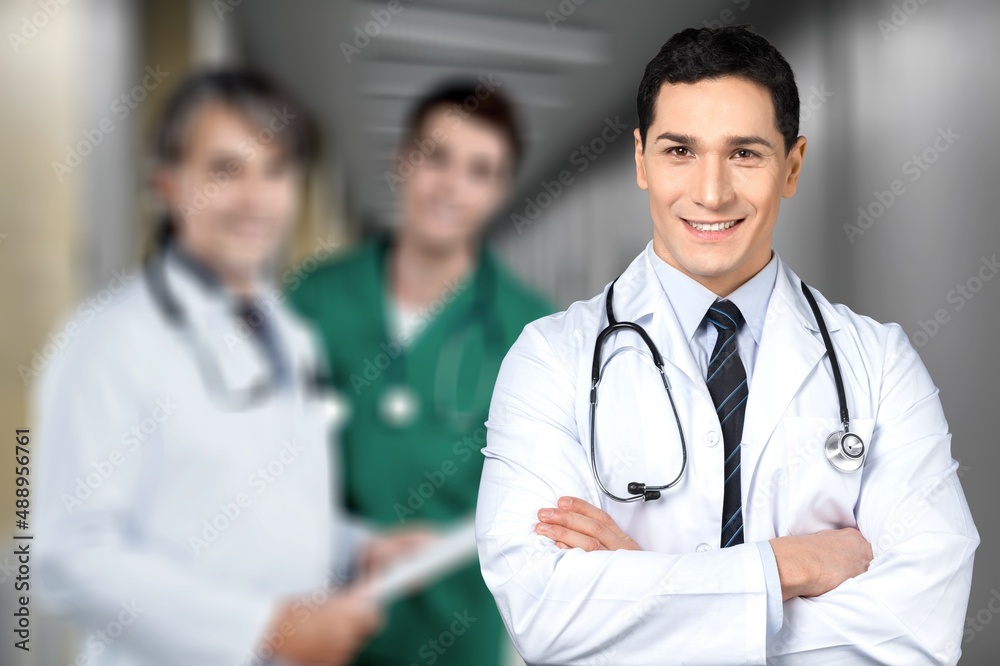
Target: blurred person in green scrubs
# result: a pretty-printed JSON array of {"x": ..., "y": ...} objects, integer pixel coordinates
[{"x": 415, "y": 326}]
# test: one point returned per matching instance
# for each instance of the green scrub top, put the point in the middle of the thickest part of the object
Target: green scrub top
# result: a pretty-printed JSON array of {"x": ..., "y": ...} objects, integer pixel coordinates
[{"x": 426, "y": 470}]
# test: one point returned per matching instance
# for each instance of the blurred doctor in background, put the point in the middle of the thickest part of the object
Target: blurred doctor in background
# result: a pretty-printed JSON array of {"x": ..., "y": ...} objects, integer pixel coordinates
[
  {"x": 415, "y": 326},
  {"x": 184, "y": 506}
]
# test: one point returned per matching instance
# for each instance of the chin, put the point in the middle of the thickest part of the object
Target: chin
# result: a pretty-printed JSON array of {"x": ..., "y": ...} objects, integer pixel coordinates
[
  {"x": 247, "y": 260},
  {"x": 699, "y": 265},
  {"x": 700, "y": 259},
  {"x": 441, "y": 240}
]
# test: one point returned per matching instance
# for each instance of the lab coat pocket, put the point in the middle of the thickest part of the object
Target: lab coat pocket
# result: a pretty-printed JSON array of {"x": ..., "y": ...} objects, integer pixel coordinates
[
  {"x": 820, "y": 496},
  {"x": 319, "y": 425}
]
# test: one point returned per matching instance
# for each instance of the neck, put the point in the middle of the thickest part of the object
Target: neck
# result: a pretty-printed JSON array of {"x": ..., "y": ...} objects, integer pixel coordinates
[
  {"x": 420, "y": 273},
  {"x": 238, "y": 282},
  {"x": 720, "y": 285}
]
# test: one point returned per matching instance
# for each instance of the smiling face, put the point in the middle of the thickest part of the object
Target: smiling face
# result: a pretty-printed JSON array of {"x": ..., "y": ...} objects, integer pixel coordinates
[
  {"x": 459, "y": 184},
  {"x": 234, "y": 193},
  {"x": 716, "y": 168}
]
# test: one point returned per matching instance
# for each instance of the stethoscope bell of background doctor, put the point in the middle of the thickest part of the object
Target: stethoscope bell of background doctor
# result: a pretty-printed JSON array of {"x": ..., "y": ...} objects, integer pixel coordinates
[{"x": 399, "y": 406}]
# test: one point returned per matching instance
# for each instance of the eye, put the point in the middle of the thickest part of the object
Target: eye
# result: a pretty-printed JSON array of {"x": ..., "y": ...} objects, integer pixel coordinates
[
  {"x": 481, "y": 170},
  {"x": 679, "y": 151},
  {"x": 746, "y": 153},
  {"x": 437, "y": 157},
  {"x": 277, "y": 168},
  {"x": 218, "y": 167}
]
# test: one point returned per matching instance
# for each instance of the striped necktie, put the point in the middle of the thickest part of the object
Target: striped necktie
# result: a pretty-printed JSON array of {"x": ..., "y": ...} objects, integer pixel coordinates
[{"x": 727, "y": 384}]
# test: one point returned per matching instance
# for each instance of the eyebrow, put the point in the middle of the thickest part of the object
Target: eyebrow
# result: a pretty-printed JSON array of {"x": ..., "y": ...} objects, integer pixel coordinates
[
  {"x": 746, "y": 140},
  {"x": 223, "y": 156},
  {"x": 731, "y": 140}
]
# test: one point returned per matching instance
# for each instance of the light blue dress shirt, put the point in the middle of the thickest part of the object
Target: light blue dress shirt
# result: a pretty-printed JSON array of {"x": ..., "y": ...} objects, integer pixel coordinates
[{"x": 690, "y": 301}]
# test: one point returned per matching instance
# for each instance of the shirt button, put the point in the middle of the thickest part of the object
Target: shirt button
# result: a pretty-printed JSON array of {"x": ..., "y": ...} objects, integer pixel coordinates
[
  {"x": 704, "y": 548},
  {"x": 712, "y": 438}
]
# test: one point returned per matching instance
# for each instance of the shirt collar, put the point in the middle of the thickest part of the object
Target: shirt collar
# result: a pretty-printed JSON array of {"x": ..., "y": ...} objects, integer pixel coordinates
[
  {"x": 198, "y": 281},
  {"x": 691, "y": 300},
  {"x": 194, "y": 267}
]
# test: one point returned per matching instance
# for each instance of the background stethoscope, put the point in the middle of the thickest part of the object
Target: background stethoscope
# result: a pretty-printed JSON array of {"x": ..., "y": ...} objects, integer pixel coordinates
[
  {"x": 223, "y": 396},
  {"x": 400, "y": 405},
  {"x": 844, "y": 449}
]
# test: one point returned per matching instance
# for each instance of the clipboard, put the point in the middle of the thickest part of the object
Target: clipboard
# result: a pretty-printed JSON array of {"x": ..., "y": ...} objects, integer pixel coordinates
[{"x": 456, "y": 548}]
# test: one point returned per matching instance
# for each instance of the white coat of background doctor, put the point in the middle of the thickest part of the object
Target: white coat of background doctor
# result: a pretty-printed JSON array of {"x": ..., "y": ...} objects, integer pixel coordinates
[
  {"x": 872, "y": 566},
  {"x": 179, "y": 519}
]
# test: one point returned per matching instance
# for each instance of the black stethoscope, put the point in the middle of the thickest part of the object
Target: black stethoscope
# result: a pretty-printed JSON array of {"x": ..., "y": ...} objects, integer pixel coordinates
[
  {"x": 222, "y": 395},
  {"x": 844, "y": 449}
]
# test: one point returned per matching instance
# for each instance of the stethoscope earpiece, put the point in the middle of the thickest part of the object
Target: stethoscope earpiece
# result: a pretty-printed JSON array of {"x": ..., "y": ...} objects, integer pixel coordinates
[{"x": 845, "y": 451}]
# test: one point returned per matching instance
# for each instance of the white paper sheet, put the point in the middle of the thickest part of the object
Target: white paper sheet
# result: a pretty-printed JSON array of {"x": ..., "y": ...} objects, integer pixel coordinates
[{"x": 455, "y": 549}]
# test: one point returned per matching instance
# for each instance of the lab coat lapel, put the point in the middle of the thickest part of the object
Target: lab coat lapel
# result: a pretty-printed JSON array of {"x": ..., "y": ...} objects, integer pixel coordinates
[
  {"x": 640, "y": 298},
  {"x": 209, "y": 313},
  {"x": 790, "y": 347}
]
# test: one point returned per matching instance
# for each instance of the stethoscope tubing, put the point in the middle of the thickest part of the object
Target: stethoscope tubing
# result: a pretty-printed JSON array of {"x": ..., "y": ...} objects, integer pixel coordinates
[{"x": 840, "y": 457}]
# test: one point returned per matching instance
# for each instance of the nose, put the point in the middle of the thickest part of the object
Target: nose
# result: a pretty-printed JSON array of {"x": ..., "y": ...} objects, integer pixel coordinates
[
  {"x": 256, "y": 190},
  {"x": 447, "y": 180},
  {"x": 248, "y": 194},
  {"x": 711, "y": 184}
]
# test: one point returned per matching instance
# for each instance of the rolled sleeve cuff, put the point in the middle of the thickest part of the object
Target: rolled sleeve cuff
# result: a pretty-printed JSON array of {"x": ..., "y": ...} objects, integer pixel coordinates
[{"x": 773, "y": 583}]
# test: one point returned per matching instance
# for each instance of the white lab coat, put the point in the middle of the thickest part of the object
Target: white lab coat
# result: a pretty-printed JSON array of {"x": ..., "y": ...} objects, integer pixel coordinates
[
  {"x": 168, "y": 527},
  {"x": 685, "y": 600}
]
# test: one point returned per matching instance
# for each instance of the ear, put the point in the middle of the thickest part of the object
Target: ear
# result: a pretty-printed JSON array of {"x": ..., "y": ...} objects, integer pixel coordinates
[
  {"x": 640, "y": 162},
  {"x": 164, "y": 184},
  {"x": 500, "y": 191},
  {"x": 794, "y": 166},
  {"x": 166, "y": 187}
]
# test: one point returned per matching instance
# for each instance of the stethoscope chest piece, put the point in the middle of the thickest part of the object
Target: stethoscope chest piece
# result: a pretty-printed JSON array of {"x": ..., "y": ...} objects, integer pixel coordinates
[
  {"x": 399, "y": 406},
  {"x": 845, "y": 451}
]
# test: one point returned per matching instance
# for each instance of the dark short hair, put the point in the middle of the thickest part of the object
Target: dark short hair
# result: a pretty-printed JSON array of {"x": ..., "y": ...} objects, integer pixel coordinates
[
  {"x": 696, "y": 54},
  {"x": 469, "y": 98},
  {"x": 246, "y": 92}
]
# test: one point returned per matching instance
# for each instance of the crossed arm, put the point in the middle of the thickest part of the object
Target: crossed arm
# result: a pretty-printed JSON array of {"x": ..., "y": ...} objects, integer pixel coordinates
[
  {"x": 599, "y": 597},
  {"x": 808, "y": 565}
]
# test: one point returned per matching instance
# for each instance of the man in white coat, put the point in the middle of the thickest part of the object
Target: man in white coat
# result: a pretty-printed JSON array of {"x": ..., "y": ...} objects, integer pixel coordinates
[
  {"x": 763, "y": 548},
  {"x": 184, "y": 494}
]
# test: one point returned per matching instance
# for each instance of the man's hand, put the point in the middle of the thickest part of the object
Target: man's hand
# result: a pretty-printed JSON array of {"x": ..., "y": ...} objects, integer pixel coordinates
[
  {"x": 579, "y": 524},
  {"x": 813, "y": 564},
  {"x": 330, "y": 633},
  {"x": 808, "y": 565}
]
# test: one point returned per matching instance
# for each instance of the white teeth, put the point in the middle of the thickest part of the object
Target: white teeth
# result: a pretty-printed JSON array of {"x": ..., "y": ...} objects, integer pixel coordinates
[{"x": 715, "y": 226}]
